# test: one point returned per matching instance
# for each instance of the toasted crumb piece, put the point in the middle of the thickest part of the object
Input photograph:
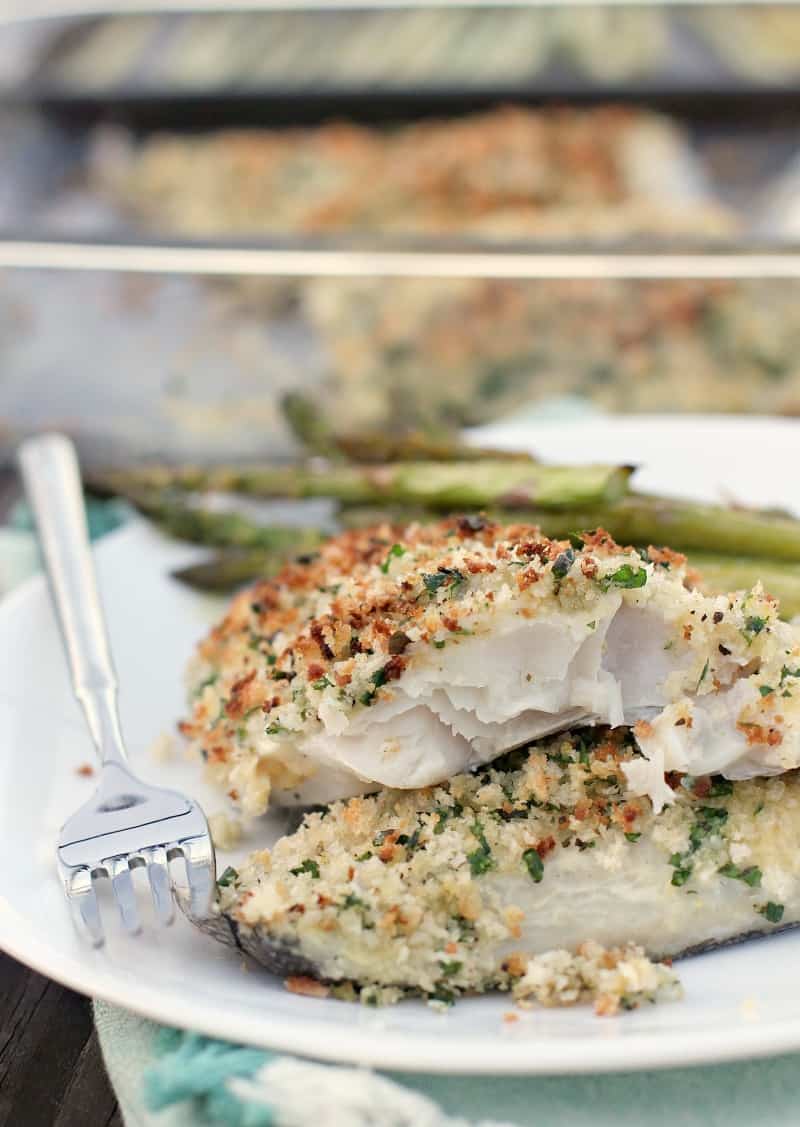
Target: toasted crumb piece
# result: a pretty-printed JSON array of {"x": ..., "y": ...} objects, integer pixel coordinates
[
  {"x": 300, "y": 984},
  {"x": 162, "y": 749},
  {"x": 510, "y": 1017},
  {"x": 86, "y": 770},
  {"x": 374, "y": 995},
  {"x": 615, "y": 978},
  {"x": 226, "y": 832},
  {"x": 748, "y": 1009}
]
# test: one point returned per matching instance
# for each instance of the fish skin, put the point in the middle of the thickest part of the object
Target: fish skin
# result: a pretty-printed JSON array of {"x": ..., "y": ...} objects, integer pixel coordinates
[
  {"x": 283, "y": 960},
  {"x": 277, "y": 955}
]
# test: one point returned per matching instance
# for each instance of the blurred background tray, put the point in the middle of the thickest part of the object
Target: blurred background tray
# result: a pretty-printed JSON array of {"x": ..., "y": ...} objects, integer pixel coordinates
[
  {"x": 150, "y": 130},
  {"x": 728, "y": 75},
  {"x": 167, "y": 65}
]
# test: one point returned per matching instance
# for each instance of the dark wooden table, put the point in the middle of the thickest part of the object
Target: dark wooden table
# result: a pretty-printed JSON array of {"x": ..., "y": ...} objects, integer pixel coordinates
[{"x": 51, "y": 1069}]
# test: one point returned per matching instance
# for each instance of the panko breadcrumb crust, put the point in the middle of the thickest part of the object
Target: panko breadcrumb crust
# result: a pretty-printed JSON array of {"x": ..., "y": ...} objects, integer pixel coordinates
[
  {"x": 428, "y": 891},
  {"x": 334, "y": 634}
]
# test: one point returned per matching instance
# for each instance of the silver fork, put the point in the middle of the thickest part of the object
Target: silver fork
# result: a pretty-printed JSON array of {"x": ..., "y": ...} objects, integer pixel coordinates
[{"x": 127, "y": 823}]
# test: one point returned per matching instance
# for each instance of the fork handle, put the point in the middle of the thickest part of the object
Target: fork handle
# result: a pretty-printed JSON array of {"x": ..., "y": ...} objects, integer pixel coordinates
[{"x": 50, "y": 472}]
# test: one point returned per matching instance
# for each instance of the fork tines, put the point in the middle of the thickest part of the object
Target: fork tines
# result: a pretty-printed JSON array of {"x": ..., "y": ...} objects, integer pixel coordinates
[{"x": 196, "y": 854}]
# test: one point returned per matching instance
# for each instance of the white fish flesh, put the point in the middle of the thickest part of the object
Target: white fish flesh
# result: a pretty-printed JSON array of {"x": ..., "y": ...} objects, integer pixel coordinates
[{"x": 400, "y": 657}]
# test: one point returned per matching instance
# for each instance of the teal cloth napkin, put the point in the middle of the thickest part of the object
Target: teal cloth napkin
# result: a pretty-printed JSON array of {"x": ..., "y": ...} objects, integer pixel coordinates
[
  {"x": 168, "y": 1078},
  {"x": 164, "y": 1078}
]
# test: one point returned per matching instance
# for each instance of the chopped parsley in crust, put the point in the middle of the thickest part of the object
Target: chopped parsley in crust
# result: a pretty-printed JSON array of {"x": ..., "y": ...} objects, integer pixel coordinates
[
  {"x": 464, "y": 887},
  {"x": 335, "y": 644}
]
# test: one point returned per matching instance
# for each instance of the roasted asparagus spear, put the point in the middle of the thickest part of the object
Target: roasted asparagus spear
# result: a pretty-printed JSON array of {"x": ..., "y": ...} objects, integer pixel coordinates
[
  {"x": 636, "y": 519},
  {"x": 312, "y": 429},
  {"x": 221, "y": 528},
  {"x": 440, "y": 486},
  {"x": 234, "y": 567},
  {"x": 728, "y": 573},
  {"x": 688, "y": 526}
]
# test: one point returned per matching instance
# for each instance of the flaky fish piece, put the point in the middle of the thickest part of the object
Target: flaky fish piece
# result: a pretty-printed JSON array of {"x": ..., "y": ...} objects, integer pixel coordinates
[
  {"x": 467, "y": 886},
  {"x": 399, "y": 657}
]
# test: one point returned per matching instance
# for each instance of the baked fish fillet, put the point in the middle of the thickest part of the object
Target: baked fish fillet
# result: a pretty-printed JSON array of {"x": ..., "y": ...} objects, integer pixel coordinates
[
  {"x": 467, "y": 885},
  {"x": 399, "y": 657}
]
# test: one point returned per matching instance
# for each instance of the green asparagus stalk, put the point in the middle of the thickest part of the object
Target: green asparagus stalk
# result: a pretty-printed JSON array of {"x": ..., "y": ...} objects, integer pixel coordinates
[
  {"x": 311, "y": 427},
  {"x": 443, "y": 486},
  {"x": 232, "y": 568},
  {"x": 687, "y": 526},
  {"x": 373, "y": 447},
  {"x": 636, "y": 519},
  {"x": 728, "y": 573},
  {"x": 174, "y": 514}
]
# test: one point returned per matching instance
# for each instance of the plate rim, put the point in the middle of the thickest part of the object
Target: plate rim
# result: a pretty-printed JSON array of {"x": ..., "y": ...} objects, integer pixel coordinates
[
  {"x": 398, "y": 1050},
  {"x": 574, "y": 1055},
  {"x": 312, "y": 1039}
]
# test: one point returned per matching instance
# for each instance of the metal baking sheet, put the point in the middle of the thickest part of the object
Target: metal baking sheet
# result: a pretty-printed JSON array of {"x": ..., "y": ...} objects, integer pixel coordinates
[
  {"x": 137, "y": 346},
  {"x": 289, "y": 65}
]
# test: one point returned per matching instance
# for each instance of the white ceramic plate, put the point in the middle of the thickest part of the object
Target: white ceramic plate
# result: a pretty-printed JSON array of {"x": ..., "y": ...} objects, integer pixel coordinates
[{"x": 743, "y": 1001}]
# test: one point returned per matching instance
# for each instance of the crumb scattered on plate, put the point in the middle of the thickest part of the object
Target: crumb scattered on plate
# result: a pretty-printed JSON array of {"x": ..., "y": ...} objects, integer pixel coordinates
[
  {"x": 163, "y": 747},
  {"x": 226, "y": 831}
]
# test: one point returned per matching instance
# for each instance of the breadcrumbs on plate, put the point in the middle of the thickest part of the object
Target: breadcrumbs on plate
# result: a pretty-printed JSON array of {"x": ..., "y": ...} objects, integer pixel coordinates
[
  {"x": 226, "y": 831},
  {"x": 310, "y": 987},
  {"x": 163, "y": 748},
  {"x": 612, "y": 978}
]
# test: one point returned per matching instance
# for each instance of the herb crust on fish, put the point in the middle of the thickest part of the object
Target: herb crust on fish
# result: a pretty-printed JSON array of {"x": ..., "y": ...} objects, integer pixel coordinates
[
  {"x": 467, "y": 886},
  {"x": 401, "y": 656}
]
